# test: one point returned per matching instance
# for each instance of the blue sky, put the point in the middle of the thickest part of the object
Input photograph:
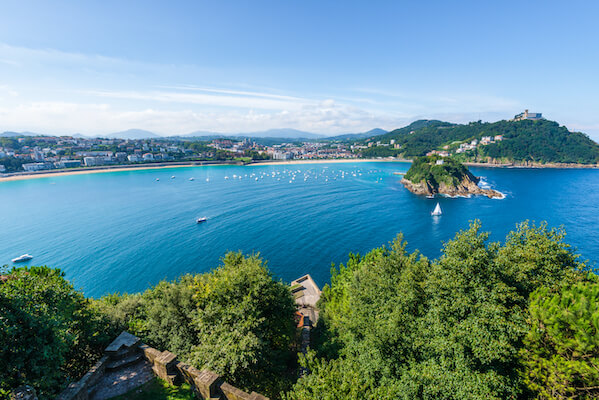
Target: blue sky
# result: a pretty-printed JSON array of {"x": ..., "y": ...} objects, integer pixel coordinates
[{"x": 328, "y": 67}]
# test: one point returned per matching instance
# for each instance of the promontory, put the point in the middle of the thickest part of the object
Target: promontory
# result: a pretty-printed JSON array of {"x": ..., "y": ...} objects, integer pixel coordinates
[{"x": 443, "y": 175}]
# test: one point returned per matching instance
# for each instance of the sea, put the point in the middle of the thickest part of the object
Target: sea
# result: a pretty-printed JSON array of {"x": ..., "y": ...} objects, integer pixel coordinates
[{"x": 124, "y": 231}]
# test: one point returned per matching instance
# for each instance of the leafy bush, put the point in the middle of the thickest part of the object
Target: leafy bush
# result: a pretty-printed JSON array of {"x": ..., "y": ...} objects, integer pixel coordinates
[
  {"x": 49, "y": 334},
  {"x": 236, "y": 320}
]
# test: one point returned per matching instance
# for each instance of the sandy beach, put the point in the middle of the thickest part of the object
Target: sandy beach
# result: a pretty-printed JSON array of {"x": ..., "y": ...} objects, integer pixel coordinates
[
  {"x": 331, "y": 161},
  {"x": 55, "y": 173},
  {"x": 51, "y": 173},
  {"x": 116, "y": 168}
]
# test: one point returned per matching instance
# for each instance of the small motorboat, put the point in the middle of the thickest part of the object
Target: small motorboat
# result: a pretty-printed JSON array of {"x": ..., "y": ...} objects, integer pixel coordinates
[
  {"x": 173, "y": 177},
  {"x": 157, "y": 179},
  {"x": 24, "y": 257},
  {"x": 430, "y": 196},
  {"x": 201, "y": 219},
  {"x": 191, "y": 179}
]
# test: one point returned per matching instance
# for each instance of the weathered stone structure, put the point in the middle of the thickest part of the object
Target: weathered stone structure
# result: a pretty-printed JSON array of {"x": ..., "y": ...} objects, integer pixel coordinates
[
  {"x": 127, "y": 351},
  {"x": 128, "y": 363}
]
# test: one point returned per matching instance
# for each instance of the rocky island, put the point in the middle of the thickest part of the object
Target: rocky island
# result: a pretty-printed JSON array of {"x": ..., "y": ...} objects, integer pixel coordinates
[{"x": 443, "y": 175}]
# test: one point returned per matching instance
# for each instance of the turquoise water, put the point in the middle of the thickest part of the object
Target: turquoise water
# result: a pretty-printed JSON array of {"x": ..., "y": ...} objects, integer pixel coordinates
[{"x": 124, "y": 231}]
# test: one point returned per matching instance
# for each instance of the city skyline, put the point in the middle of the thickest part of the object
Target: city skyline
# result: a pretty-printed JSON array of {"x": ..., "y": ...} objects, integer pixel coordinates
[{"x": 104, "y": 67}]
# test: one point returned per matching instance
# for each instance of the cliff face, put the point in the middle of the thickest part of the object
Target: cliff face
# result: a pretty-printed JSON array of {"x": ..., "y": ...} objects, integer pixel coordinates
[{"x": 467, "y": 186}]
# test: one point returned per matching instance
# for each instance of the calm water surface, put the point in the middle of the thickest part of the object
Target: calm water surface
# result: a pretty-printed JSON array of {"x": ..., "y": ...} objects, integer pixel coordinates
[{"x": 124, "y": 231}]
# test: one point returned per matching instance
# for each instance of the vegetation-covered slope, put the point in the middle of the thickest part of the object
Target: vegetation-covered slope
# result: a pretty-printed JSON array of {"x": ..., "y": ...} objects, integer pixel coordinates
[
  {"x": 395, "y": 325},
  {"x": 426, "y": 169},
  {"x": 516, "y": 320},
  {"x": 434, "y": 174},
  {"x": 540, "y": 141}
]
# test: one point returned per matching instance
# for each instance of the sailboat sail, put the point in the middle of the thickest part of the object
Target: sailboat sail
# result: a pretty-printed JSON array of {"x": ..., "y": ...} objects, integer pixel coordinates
[{"x": 437, "y": 210}]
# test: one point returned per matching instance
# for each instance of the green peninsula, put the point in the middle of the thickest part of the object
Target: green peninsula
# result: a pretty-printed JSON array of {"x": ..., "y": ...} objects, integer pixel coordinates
[{"x": 432, "y": 175}]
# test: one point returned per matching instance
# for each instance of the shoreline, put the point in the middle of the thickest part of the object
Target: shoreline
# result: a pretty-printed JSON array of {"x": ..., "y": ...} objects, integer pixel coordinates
[
  {"x": 17, "y": 176},
  {"x": 97, "y": 170},
  {"x": 325, "y": 161},
  {"x": 533, "y": 166}
]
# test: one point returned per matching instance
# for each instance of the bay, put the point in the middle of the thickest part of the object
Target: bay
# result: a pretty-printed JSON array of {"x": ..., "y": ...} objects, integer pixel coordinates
[{"x": 125, "y": 231}]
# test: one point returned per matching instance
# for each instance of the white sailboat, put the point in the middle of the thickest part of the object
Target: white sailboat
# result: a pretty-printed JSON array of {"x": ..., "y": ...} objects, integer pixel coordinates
[{"x": 437, "y": 210}]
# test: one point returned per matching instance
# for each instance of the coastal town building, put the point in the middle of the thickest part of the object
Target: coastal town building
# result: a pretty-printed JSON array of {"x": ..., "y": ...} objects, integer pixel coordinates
[
  {"x": 40, "y": 166},
  {"x": 68, "y": 164}
]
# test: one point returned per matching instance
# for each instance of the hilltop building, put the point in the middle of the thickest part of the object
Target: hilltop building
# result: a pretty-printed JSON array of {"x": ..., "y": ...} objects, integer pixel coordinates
[{"x": 528, "y": 115}]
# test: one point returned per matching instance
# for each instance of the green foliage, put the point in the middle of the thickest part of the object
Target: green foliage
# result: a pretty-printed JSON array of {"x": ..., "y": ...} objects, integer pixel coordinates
[
  {"x": 49, "y": 334},
  {"x": 425, "y": 169},
  {"x": 380, "y": 151},
  {"x": 540, "y": 141},
  {"x": 249, "y": 317},
  {"x": 12, "y": 164},
  {"x": 157, "y": 389},
  {"x": 235, "y": 320},
  {"x": 561, "y": 353},
  {"x": 397, "y": 325}
]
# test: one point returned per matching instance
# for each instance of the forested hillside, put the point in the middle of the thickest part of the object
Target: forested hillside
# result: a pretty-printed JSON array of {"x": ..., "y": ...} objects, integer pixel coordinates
[{"x": 540, "y": 141}]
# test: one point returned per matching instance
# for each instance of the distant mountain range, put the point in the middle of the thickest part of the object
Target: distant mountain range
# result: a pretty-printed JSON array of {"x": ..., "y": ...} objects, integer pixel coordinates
[
  {"x": 283, "y": 133},
  {"x": 286, "y": 133},
  {"x": 132, "y": 134},
  {"x": 12, "y": 134},
  {"x": 363, "y": 135}
]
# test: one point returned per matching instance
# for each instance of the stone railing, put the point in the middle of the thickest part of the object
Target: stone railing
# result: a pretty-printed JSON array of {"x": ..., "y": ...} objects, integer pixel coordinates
[{"x": 127, "y": 348}]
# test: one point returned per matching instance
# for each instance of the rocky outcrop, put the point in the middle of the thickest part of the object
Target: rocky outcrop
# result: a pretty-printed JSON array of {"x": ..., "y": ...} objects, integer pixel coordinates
[{"x": 467, "y": 186}]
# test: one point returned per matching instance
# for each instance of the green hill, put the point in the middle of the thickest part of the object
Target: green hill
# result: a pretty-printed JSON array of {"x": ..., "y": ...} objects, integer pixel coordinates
[
  {"x": 525, "y": 141},
  {"x": 434, "y": 174},
  {"x": 426, "y": 169}
]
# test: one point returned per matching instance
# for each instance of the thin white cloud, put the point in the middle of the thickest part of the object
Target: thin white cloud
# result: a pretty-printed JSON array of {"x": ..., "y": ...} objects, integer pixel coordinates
[
  {"x": 235, "y": 92},
  {"x": 221, "y": 100}
]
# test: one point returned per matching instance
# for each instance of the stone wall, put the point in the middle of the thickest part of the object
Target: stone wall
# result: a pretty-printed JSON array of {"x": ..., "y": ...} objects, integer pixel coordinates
[
  {"x": 79, "y": 390},
  {"x": 206, "y": 384}
]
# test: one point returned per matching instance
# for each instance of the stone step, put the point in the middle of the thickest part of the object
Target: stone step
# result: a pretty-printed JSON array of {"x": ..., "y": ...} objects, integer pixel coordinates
[
  {"x": 123, "y": 362},
  {"x": 123, "y": 352}
]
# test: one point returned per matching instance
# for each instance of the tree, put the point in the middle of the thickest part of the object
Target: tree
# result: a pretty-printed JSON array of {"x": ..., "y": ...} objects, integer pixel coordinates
[
  {"x": 49, "y": 334},
  {"x": 236, "y": 320},
  {"x": 451, "y": 329},
  {"x": 561, "y": 353}
]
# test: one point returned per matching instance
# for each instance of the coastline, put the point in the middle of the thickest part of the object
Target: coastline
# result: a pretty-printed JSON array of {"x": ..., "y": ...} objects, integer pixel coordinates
[
  {"x": 96, "y": 170},
  {"x": 104, "y": 169},
  {"x": 533, "y": 165},
  {"x": 327, "y": 161}
]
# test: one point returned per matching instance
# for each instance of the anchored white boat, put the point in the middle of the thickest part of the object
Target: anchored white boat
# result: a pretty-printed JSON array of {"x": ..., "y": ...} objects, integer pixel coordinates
[
  {"x": 201, "y": 219},
  {"x": 437, "y": 210},
  {"x": 24, "y": 257}
]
